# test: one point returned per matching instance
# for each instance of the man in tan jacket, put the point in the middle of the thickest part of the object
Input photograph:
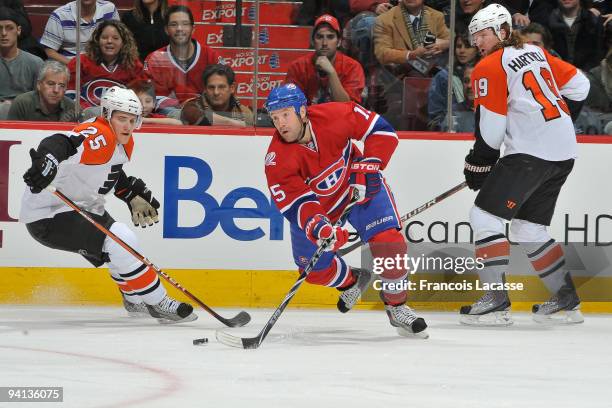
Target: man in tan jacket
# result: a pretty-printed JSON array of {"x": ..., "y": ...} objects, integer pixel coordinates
[{"x": 399, "y": 34}]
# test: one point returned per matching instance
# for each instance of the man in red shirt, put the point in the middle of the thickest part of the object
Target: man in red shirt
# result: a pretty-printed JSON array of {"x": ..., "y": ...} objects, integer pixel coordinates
[
  {"x": 327, "y": 75},
  {"x": 177, "y": 68}
]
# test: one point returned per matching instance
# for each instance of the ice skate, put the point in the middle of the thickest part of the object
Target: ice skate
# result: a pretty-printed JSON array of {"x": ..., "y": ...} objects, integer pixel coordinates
[
  {"x": 135, "y": 309},
  {"x": 406, "y": 322},
  {"x": 351, "y": 295},
  {"x": 492, "y": 309},
  {"x": 172, "y": 311},
  {"x": 562, "y": 308}
]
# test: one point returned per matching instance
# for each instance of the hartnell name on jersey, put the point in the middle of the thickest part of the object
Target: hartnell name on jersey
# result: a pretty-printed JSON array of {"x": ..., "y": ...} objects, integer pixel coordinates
[{"x": 525, "y": 59}]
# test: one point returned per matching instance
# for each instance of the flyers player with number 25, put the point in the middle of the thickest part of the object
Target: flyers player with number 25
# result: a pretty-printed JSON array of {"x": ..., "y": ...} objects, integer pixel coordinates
[
  {"x": 85, "y": 165},
  {"x": 525, "y": 99},
  {"x": 311, "y": 165}
]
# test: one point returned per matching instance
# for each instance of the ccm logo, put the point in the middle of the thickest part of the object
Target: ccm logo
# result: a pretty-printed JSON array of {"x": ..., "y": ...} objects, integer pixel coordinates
[{"x": 365, "y": 166}]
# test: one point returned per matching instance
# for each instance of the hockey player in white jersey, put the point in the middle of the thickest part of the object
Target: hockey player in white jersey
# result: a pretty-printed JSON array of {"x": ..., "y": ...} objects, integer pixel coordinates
[
  {"x": 525, "y": 99},
  {"x": 85, "y": 165}
]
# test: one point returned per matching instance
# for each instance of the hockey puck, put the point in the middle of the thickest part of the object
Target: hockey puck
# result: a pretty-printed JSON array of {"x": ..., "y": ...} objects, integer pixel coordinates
[{"x": 199, "y": 342}]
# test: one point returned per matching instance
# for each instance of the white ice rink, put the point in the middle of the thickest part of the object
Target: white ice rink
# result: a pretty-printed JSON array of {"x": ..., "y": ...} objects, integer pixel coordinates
[{"x": 316, "y": 359}]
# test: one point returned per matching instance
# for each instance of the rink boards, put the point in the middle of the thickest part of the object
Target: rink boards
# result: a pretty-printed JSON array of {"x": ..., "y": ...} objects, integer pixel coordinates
[{"x": 221, "y": 236}]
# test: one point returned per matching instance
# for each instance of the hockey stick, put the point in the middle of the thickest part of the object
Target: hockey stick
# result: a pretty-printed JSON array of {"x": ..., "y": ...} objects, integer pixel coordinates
[
  {"x": 255, "y": 342},
  {"x": 411, "y": 214},
  {"x": 239, "y": 320}
]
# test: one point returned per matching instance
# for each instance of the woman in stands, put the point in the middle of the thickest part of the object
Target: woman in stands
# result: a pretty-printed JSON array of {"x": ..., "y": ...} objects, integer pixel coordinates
[
  {"x": 146, "y": 22},
  {"x": 111, "y": 59},
  {"x": 465, "y": 55}
]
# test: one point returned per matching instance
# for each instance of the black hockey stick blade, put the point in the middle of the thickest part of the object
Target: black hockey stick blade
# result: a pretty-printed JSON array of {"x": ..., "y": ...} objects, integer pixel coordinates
[
  {"x": 239, "y": 320},
  {"x": 409, "y": 215}
]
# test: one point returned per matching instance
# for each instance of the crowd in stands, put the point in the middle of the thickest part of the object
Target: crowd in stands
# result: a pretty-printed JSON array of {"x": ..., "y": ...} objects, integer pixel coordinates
[{"x": 389, "y": 55}]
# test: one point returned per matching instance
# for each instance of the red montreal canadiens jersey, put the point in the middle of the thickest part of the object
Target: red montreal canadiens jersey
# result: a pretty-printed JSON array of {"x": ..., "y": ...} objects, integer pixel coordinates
[
  {"x": 309, "y": 179},
  {"x": 95, "y": 79},
  {"x": 302, "y": 73},
  {"x": 171, "y": 80}
]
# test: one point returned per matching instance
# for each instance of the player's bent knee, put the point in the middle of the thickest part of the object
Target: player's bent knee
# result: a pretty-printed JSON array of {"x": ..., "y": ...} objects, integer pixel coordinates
[
  {"x": 119, "y": 257},
  {"x": 526, "y": 231},
  {"x": 390, "y": 235},
  {"x": 126, "y": 234},
  {"x": 485, "y": 224},
  {"x": 335, "y": 275},
  {"x": 388, "y": 243}
]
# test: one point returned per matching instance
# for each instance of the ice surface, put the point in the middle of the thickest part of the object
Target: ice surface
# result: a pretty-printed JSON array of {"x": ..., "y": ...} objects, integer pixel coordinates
[{"x": 311, "y": 358}]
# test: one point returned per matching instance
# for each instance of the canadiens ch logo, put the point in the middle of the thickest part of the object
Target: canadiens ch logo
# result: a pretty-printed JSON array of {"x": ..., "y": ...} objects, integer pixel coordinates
[
  {"x": 329, "y": 181},
  {"x": 270, "y": 157},
  {"x": 93, "y": 90}
]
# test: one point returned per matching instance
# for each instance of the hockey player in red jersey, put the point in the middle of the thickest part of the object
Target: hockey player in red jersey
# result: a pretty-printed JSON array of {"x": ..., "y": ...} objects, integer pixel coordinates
[
  {"x": 86, "y": 164},
  {"x": 310, "y": 166},
  {"x": 525, "y": 99},
  {"x": 177, "y": 68}
]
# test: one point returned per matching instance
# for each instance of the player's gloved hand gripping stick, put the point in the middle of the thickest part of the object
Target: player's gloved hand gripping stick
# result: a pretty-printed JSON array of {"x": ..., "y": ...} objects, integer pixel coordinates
[
  {"x": 240, "y": 319},
  {"x": 255, "y": 342}
]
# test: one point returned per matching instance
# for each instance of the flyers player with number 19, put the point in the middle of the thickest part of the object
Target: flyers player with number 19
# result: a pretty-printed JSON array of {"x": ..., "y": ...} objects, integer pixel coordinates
[
  {"x": 85, "y": 165},
  {"x": 525, "y": 99},
  {"x": 311, "y": 165}
]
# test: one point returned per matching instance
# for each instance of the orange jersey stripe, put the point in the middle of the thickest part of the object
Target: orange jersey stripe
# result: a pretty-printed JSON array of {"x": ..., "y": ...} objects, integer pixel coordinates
[
  {"x": 549, "y": 259},
  {"x": 100, "y": 142},
  {"x": 143, "y": 281},
  {"x": 489, "y": 83},
  {"x": 494, "y": 250},
  {"x": 562, "y": 71}
]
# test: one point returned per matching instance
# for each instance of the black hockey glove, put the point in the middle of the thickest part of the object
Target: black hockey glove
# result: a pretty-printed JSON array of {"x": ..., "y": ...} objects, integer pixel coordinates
[
  {"x": 476, "y": 170},
  {"x": 139, "y": 199},
  {"x": 42, "y": 172}
]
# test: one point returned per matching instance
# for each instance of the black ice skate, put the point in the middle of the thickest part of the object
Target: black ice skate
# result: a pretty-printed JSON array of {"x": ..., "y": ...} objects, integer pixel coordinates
[
  {"x": 492, "y": 309},
  {"x": 406, "y": 322},
  {"x": 135, "y": 309},
  {"x": 352, "y": 294},
  {"x": 172, "y": 311},
  {"x": 562, "y": 308}
]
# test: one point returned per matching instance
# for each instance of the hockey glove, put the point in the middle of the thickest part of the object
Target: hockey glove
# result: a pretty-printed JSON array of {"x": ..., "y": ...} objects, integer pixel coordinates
[
  {"x": 476, "y": 170},
  {"x": 365, "y": 176},
  {"x": 42, "y": 172},
  {"x": 318, "y": 228},
  {"x": 140, "y": 201}
]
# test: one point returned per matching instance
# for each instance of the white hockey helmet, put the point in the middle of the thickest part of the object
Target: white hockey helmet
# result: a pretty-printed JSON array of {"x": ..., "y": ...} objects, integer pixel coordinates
[
  {"x": 492, "y": 16},
  {"x": 120, "y": 99}
]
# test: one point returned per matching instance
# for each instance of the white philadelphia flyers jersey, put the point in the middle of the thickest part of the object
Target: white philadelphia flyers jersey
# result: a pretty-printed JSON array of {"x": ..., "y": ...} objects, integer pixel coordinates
[
  {"x": 518, "y": 101},
  {"x": 85, "y": 177}
]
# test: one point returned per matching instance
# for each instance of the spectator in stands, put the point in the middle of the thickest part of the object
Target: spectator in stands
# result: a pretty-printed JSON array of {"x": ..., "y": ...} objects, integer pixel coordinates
[
  {"x": 111, "y": 59},
  {"x": 465, "y": 12},
  {"x": 217, "y": 105},
  {"x": 465, "y": 55},
  {"x": 177, "y": 69},
  {"x": 600, "y": 77},
  {"x": 400, "y": 33},
  {"x": 537, "y": 34},
  {"x": 146, "y": 22},
  {"x": 47, "y": 103},
  {"x": 359, "y": 31},
  {"x": 524, "y": 12},
  {"x": 578, "y": 34},
  {"x": 145, "y": 90},
  {"x": 59, "y": 36},
  {"x": 327, "y": 75},
  {"x": 463, "y": 113},
  {"x": 26, "y": 42},
  {"x": 18, "y": 68}
]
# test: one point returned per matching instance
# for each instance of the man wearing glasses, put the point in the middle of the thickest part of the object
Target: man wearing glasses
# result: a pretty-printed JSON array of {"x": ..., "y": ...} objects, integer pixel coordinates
[{"x": 177, "y": 68}]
